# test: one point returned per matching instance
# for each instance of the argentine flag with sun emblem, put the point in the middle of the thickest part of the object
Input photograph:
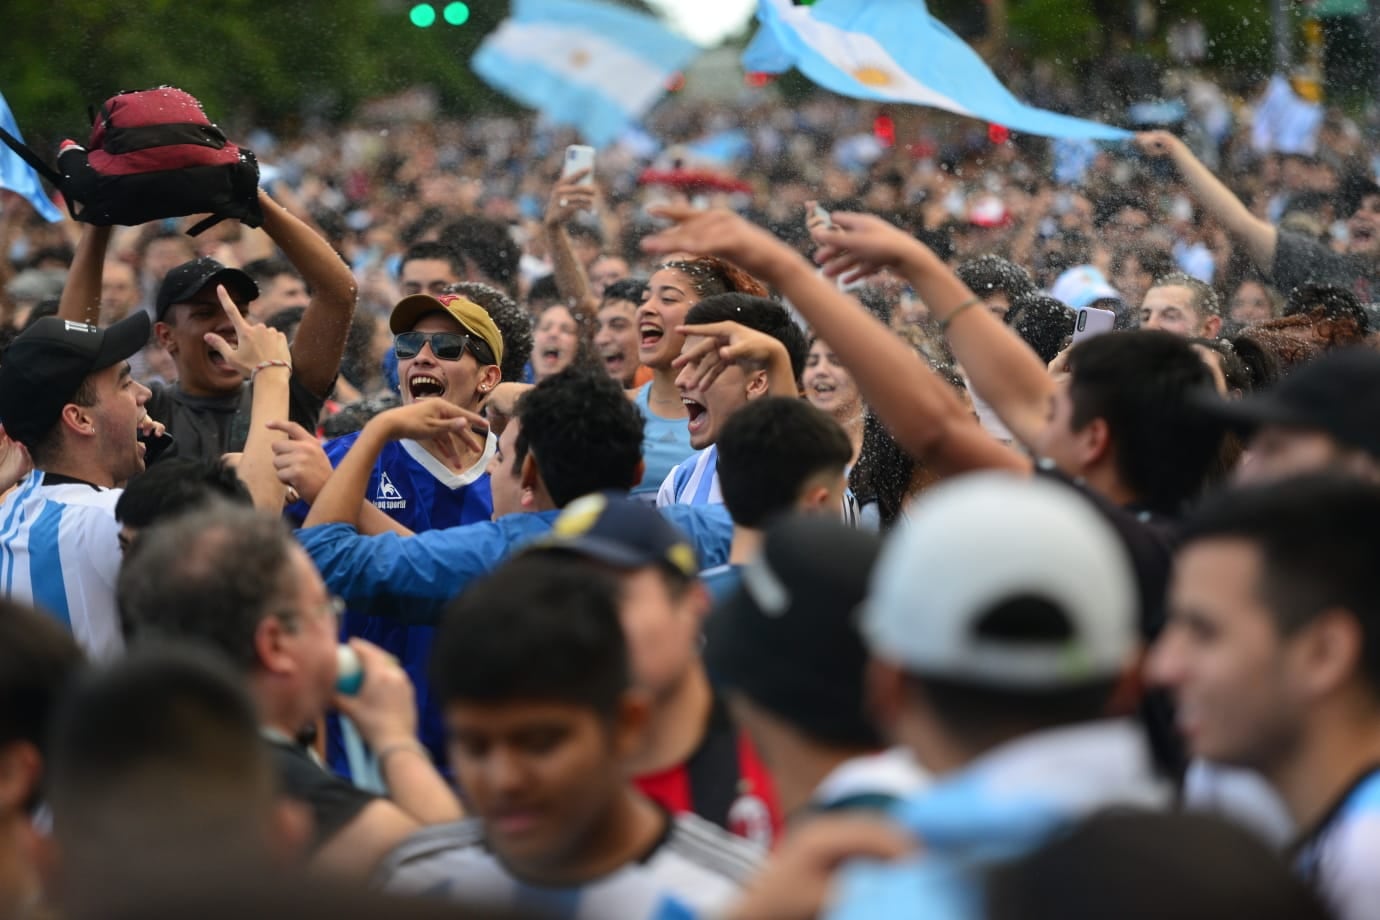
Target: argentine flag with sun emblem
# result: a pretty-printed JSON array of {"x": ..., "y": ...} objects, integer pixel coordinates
[
  {"x": 895, "y": 51},
  {"x": 583, "y": 63}
]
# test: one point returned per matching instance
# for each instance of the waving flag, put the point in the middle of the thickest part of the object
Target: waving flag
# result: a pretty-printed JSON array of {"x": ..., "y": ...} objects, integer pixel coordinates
[
  {"x": 583, "y": 63},
  {"x": 18, "y": 176},
  {"x": 895, "y": 51}
]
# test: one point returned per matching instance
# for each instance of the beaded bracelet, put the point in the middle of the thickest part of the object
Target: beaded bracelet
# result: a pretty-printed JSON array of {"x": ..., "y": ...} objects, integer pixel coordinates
[
  {"x": 970, "y": 302},
  {"x": 265, "y": 365}
]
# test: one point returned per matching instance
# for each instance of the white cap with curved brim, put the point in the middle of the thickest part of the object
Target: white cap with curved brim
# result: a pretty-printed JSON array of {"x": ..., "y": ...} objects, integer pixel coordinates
[{"x": 973, "y": 544}]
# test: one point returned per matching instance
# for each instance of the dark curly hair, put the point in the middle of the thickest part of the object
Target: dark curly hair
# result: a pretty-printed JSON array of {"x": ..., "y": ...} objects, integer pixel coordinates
[
  {"x": 488, "y": 245},
  {"x": 583, "y": 432},
  {"x": 513, "y": 322}
]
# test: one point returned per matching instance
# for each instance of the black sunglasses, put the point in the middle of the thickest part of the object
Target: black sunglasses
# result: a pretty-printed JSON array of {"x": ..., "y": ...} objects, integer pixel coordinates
[{"x": 447, "y": 346}]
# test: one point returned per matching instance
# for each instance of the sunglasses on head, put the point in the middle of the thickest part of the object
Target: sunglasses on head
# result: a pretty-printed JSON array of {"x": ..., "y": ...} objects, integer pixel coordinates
[{"x": 447, "y": 346}]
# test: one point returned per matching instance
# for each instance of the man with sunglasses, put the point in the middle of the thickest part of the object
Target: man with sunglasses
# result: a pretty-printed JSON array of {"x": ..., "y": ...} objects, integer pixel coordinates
[{"x": 448, "y": 348}]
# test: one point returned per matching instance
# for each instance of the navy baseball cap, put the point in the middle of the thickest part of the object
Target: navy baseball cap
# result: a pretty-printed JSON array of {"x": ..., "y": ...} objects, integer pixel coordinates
[
  {"x": 788, "y": 637},
  {"x": 190, "y": 278},
  {"x": 45, "y": 366},
  {"x": 621, "y": 533}
]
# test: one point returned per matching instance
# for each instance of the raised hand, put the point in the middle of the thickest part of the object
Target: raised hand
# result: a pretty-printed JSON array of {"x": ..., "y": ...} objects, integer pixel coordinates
[
  {"x": 444, "y": 424},
  {"x": 569, "y": 198},
  {"x": 723, "y": 344},
  {"x": 255, "y": 343},
  {"x": 1158, "y": 143},
  {"x": 860, "y": 245},
  {"x": 720, "y": 232},
  {"x": 299, "y": 461}
]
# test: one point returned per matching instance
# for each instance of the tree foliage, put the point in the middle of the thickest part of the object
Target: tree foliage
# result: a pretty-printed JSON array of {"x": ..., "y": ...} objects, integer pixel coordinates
[{"x": 263, "y": 61}]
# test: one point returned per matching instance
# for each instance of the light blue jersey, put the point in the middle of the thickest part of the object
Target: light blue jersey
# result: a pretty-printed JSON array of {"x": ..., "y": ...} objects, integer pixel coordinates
[
  {"x": 1006, "y": 803},
  {"x": 693, "y": 482},
  {"x": 665, "y": 442},
  {"x": 60, "y": 552}
]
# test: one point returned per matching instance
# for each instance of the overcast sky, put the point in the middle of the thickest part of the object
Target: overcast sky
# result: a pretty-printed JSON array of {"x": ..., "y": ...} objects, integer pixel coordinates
[{"x": 707, "y": 21}]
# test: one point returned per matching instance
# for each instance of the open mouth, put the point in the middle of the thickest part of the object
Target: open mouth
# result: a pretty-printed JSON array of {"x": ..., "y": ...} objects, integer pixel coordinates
[
  {"x": 823, "y": 387},
  {"x": 550, "y": 355},
  {"x": 614, "y": 360},
  {"x": 650, "y": 335},
  {"x": 697, "y": 415},
  {"x": 423, "y": 386}
]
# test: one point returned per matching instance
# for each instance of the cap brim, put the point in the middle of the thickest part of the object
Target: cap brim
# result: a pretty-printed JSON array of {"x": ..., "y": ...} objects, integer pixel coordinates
[
  {"x": 609, "y": 552},
  {"x": 412, "y": 308},
  {"x": 235, "y": 281},
  {"x": 1246, "y": 415},
  {"x": 123, "y": 340}
]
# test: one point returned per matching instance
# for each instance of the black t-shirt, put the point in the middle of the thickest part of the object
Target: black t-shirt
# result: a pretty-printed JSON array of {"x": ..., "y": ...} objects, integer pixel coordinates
[
  {"x": 208, "y": 426},
  {"x": 334, "y": 803},
  {"x": 1300, "y": 260},
  {"x": 1149, "y": 539}
]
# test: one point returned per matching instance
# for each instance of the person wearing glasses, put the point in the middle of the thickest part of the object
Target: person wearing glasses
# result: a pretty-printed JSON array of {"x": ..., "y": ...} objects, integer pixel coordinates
[{"x": 448, "y": 348}]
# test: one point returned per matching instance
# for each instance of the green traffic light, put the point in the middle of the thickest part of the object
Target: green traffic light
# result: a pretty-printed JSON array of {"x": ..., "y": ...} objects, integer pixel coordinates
[
  {"x": 423, "y": 15},
  {"x": 457, "y": 14}
]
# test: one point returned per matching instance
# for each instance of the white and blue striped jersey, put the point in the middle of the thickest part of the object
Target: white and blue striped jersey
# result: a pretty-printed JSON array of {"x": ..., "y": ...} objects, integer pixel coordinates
[
  {"x": 60, "y": 552},
  {"x": 697, "y": 868},
  {"x": 694, "y": 482}
]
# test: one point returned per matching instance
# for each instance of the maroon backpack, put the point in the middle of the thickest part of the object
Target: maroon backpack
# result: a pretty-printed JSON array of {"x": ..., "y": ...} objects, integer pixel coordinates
[{"x": 153, "y": 154}]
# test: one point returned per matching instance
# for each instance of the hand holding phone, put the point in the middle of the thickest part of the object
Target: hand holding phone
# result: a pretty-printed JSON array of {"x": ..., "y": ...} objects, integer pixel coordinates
[
  {"x": 579, "y": 157},
  {"x": 1089, "y": 322}
]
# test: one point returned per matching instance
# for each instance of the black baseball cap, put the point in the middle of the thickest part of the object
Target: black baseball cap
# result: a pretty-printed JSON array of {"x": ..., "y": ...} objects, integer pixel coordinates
[
  {"x": 788, "y": 639},
  {"x": 190, "y": 278},
  {"x": 1337, "y": 394},
  {"x": 44, "y": 367},
  {"x": 620, "y": 533}
]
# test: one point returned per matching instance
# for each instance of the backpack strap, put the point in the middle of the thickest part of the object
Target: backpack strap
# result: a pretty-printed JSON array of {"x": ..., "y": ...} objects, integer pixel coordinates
[
  {"x": 28, "y": 156},
  {"x": 202, "y": 226}
]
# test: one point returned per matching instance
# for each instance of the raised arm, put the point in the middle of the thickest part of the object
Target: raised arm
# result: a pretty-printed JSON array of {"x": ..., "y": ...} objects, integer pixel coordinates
[
  {"x": 320, "y": 341},
  {"x": 262, "y": 355},
  {"x": 1259, "y": 236},
  {"x": 81, "y": 295},
  {"x": 920, "y": 410},
  {"x": 568, "y": 198},
  {"x": 1004, "y": 370},
  {"x": 431, "y": 419}
]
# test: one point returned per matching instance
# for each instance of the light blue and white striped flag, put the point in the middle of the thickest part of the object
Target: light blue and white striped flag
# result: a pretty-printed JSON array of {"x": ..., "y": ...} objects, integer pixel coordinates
[
  {"x": 583, "y": 63},
  {"x": 895, "y": 51},
  {"x": 18, "y": 176}
]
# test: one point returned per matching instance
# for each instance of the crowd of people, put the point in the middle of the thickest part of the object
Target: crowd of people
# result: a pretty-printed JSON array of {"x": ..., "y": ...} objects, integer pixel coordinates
[{"x": 783, "y": 521}]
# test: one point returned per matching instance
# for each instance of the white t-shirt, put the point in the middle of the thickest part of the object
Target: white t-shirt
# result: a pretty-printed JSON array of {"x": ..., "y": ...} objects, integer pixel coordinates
[
  {"x": 696, "y": 867},
  {"x": 60, "y": 552}
]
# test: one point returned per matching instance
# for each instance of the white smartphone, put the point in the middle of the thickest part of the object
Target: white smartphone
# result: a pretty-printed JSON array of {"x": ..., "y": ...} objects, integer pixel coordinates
[
  {"x": 1089, "y": 322},
  {"x": 821, "y": 214},
  {"x": 578, "y": 157}
]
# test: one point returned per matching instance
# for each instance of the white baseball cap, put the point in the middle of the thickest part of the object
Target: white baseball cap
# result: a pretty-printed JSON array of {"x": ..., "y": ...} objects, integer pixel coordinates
[{"x": 980, "y": 541}]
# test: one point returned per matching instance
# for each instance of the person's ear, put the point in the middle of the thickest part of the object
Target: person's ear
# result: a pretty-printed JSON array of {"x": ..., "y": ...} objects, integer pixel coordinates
[
  {"x": 1212, "y": 327},
  {"x": 1094, "y": 442},
  {"x": 290, "y": 829},
  {"x": 813, "y": 498},
  {"x": 272, "y": 646},
  {"x": 78, "y": 419},
  {"x": 757, "y": 384},
  {"x": 21, "y": 768},
  {"x": 629, "y": 723},
  {"x": 639, "y": 473},
  {"x": 1330, "y": 651},
  {"x": 885, "y": 693},
  {"x": 529, "y": 478},
  {"x": 489, "y": 377},
  {"x": 163, "y": 332}
]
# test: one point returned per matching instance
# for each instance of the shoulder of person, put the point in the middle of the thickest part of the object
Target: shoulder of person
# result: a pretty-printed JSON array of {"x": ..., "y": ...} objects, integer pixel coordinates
[
  {"x": 711, "y": 848},
  {"x": 431, "y": 851}
]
